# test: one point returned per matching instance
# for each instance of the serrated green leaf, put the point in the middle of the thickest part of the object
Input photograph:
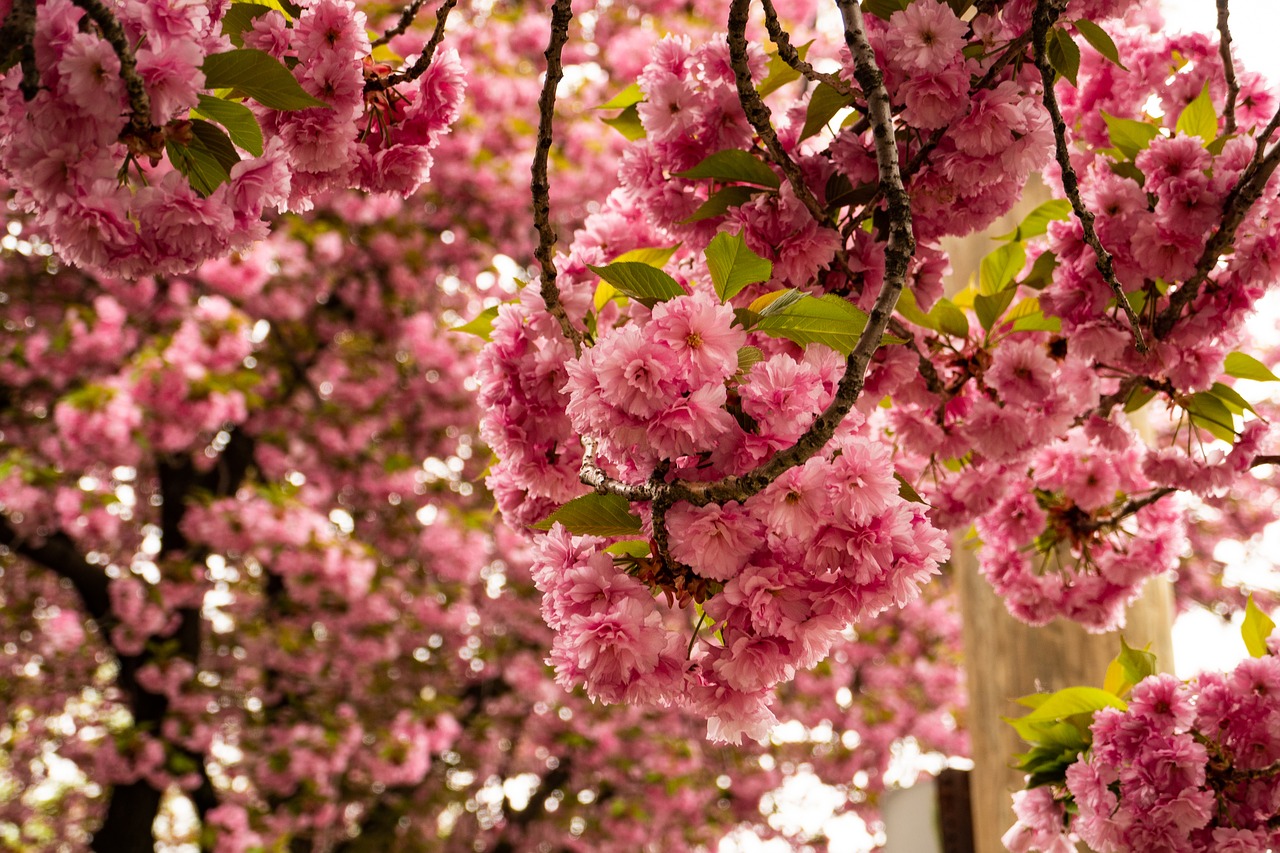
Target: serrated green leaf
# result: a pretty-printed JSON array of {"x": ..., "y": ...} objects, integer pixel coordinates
[
  {"x": 1063, "y": 54},
  {"x": 654, "y": 256},
  {"x": 733, "y": 265},
  {"x": 240, "y": 17},
  {"x": 628, "y": 124},
  {"x": 779, "y": 73},
  {"x": 638, "y": 548},
  {"x": 1001, "y": 267},
  {"x": 1244, "y": 366},
  {"x": 989, "y": 308},
  {"x": 840, "y": 192},
  {"x": 749, "y": 357},
  {"x": 830, "y": 320},
  {"x": 482, "y": 325},
  {"x": 1129, "y": 135},
  {"x": 1099, "y": 40},
  {"x": 239, "y": 121},
  {"x": 594, "y": 515},
  {"x": 1037, "y": 221},
  {"x": 1256, "y": 629},
  {"x": 719, "y": 202},
  {"x": 260, "y": 76},
  {"x": 1040, "y": 275},
  {"x": 733, "y": 165},
  {"x": 200, "y": 167},
  {"x": 1198, "y": 117},
  {"x": 1211, "y": 414},
  {"x": 910, "y": 309},
  {"x": 640, "y": 281},
  {"x": 628, "y": 97},
  {"x": 823, "y": 106},
  {"x": 214, "y": 140}
]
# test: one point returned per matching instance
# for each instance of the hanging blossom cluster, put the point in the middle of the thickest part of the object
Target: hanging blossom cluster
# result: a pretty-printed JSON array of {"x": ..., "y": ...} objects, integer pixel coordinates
[
  {"x": 114, "y": 140},
  {"x": 1187, "y": 766}
]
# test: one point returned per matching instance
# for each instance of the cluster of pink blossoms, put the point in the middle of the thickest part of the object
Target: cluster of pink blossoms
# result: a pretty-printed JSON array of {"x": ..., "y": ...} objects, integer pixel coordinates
[
  {"x": 111, "y": 197},
  {"x": 1188, "y": 766}
]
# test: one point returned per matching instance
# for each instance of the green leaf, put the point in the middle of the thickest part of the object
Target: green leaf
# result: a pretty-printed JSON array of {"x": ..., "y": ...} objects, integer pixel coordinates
[
  {"x": 260, "y": 76},
  {"x": 719, "y": 202},
  {"x": 1198, "y": 117},
  {"x": 239, "y": 18},
  {"x": 1211, "y": 414},
  {"x": 1138, "y": 398},
  {"x": 775, "y": 301},
  {"x": 638, "y": 548},
  {"x": 823, "y": 106},
  {"x": 989, "y": 308},
  {"x": 749, "y": 357},
  {"x": 840, "y": 192},
  {"x": 594, "y": 514},
  {"x": 1074, "y": 700},
  {"x": 909, "y": 308},
  {"x": 1129, "y": 135},
  {"x": 1128, "y": 668},
  {"x": 212, "y": 139},
  {"x": 1099, "y": 40},
  {"x": 640, "y": 281},
  {"x": 1037, "y": 221},
  {"x": 1063, "y": 54},
  {"x": 733, "y": 266},
  {"x": 1231, "y": 399},
  {"x": 906, "y": 491},
  {"x": 482, "y": 325},
  {"x": 1243, "y": 366},
  {"x": 779, "y": 73},
  {"x": 628, "y": 97},
  {"x": 733, "y": 165},
  {"x": 950, "y": 320},
  {"x": 999, "y": 268},
  {"x": 884, "y": 8},
  {"x": 200, "y": 167},
  {"x": 628, "y": 124},
  {"x": 654, "y": 256},
  {"x": 238, "y": 119},
  {"x": 830, "y": 321},
  {"x": 1256, "y": 629}
]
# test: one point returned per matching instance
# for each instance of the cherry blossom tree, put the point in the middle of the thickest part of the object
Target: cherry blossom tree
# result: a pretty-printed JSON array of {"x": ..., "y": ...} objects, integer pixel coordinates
[{"x": 284, "y": 317}]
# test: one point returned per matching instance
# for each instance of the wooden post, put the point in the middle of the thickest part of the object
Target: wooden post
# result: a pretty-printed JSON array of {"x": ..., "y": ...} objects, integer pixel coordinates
[{"x": 1005, "y": 659}]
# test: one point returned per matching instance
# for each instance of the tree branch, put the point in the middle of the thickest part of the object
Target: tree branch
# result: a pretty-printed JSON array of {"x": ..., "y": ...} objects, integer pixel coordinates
[
  {"x": 1046, "y": 12},
  {"x": 140, "y": 125},
  {"x": 789, "y": 55},
  {"x": 373, "y": 84},
  {"x": 1228, "y": 67},
  {"x": 406, "y": 19},
  {"x": 540, "y": 187}
]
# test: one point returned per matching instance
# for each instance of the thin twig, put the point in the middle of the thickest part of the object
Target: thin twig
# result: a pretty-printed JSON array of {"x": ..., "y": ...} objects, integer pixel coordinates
[
  {"x": 1046, "y": 12},
  {"x": 1128, "y": 509},
  {"x": 1228, "y": 67},
  {"x": 757, "y": 112},
  {"x": 1247, "y": 190},
  {"x": 406, "y": 18},
  {"x": 789, "y": 55},
  {"x": 423, "y": 62},
  {"x": 140, "y": 125},
  {"x": 540, "y": 187}
]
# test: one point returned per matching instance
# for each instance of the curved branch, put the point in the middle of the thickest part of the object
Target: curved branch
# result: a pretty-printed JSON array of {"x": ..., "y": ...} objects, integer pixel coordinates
[
  {"x": 1046, "y": 12},
  {"x": 789, "y": 55},
  {"x": 375, "y": 84},
  {"x": 540, "y": 187},
  {"x": 140, "y": 125},
  {"x": 1228, "y": 67},
  {"x": 406, "y": 19}
]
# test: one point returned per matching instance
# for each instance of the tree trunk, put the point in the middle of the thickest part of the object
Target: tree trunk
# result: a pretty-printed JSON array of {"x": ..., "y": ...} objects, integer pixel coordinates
[{"x": 1005, "y": 659}]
